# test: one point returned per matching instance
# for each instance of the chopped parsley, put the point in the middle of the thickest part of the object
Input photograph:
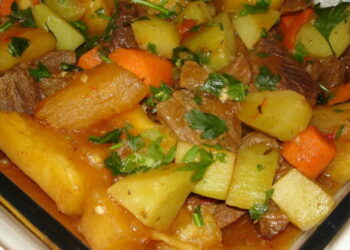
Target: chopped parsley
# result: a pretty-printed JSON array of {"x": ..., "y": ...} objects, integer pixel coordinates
[
  {"x": 70, "y": 67},
  {"x": 17, "y": 46},
  {"x": 300, "y": 53},
  {"x": 197, "y": 217},
  {"x": 163, "y": 12},
  {"x": 225, "y": 86},
  {"x": 5, "y": 26},
  {"x": 338, "y": 110},
  {"x": 103, "y": 56},
  {"x": 263, "y": 33},
  {"x": 80, "y": 26},
  {"x": 109, "y": 137},
  {"x": 259, "y": 167},
  {"x": 100, "y": 12},
  {"x": 265, "y": 80},
  {"x": 261, "y": 6},
  {"x": 23, "y": 17},
  {"x": 339, "y": 131},
  {"x": 197, "y": 99},
  {"x": 328, "y": 18},
  {"x": 151, "y": 47},
  {"x": 258, "y": 210},
  {"x": 40, "y": 72},
  {"x": 325, "y": 96},
  {"x": 160, "y": 94},
  {"x": 182, "y": 54},
  {"x": 210, "y": 125}
]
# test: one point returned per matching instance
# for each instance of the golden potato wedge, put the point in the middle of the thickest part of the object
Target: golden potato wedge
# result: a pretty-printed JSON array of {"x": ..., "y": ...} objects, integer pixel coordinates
[
  {"x": 339, "y": 168},
  {"x": 92, "y": 96},
  {"x": 49, "y": 159}
]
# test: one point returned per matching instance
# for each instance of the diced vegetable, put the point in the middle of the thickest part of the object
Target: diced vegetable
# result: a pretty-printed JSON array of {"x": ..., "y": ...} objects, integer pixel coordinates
[
  {"x": 310, "y": 152},
  {"x": 156, "y": 196},
  {"x": 342, "y": 94},
  {"x": 107, "y": 225},
  {"x": 281, "y": 114},
  {"x": 317, "y": 46},
  {"x": 236, "y": 5},
  {"x": 90, "y": 59},
  {"x": 67, "y": 37},
  {"x": 161, "y": 33},
  {"x": 48, "y": 159},
  {"x": 292, "y": 24},
  {"x": 24, "y": 4},
  {"x": 70, "y": 10},
  {"x": 92, "y": 96},
  {"x": 329, "y": 119},
  {"x": 305, "y": 203},
  {"x": 215, "y": 44},
  {"x": 217, "y": 178},
  {"x": 96, "y": 15},
  {"x": 197, "y": 11},
  {"x": 5, "y": 7},
  {"x": 143, "y": 65},
  {"x": 253, "y": 174},
  {"x": 40, "y": 43},
  {"x": 339, "y": 168},
  {"x": 251, "y": 27}
]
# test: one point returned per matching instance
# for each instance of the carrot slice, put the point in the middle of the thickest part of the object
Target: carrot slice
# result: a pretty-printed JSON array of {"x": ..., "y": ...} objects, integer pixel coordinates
[
  {"x": 342, "y": 94},
  {"x": 286, "y": 21},
  {"x": 294, "y": 25},
  {"x": 90, "y": 59},
  {"x": 310, "y": 152},
  {"x": 5, "y": 7},
  {"x": 151, "y": 68}
]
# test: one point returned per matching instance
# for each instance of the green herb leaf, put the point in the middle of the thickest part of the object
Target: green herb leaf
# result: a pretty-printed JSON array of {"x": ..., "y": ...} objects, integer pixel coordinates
[
  {"x": 261, "y": 6},
  {"x": 300, "y": 53},
  {"x": 182, "y": 54},
  {"x": 160, "y": 94},
  {"x": 151, "y": 47},
  {"x": 222, "y": 85},
  {"x": 24, "y": 17},
  {"x": 5, "y": 26},
  {"x": 328, "y": 18},
  {"x": 100, "y": 12},
  {"x": 338, "y": 110},
  {"x": 211, "y": 125},
  {"x": 263, "y": 33},
  {"x": 164, "y": 13},
  {"x": 103, "y": 56},
  {"x": 197, "y": 217},
  {"x": 339, "y": 131},
  {"x": 325, "y": 96},
  {"x": 109, "y": 137},
  {"x": 70, "y": 67},
  {"x": 258, "y": 210},
  {"x": 17, "y": 46},
  {"x": 197, "y": 99},
  {"x": 265, "y": 80},
  {"x": 40, "y": 72}
]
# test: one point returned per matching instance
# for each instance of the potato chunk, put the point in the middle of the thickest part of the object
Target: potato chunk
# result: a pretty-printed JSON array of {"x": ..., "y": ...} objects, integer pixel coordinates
[
  {"x": 217, "y": 178},
  {"x": 47, "y": 158},
  {"x": 305, "y": 203},
  {"x": 92, "y": 96},
  {"x": 253, "y": 174},
  {"x": 107, "y": 225},
  {"x": 339, "y": 168},
  {"x": 156, "y": 196},
  {"x": 281, "y": 114}
]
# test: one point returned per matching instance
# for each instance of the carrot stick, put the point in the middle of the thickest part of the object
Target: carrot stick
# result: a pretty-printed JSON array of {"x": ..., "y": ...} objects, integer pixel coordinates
[
  {"x": 151, "y": 68},
  {"x": 5, "y": 7},
  {"x": 342, "y": 94},
  {"x": 294, "y": 26},
  {"x": 310, "y": 152},
  {"x": 90, "y": 59},
  {"x": 286, "y": 21}
]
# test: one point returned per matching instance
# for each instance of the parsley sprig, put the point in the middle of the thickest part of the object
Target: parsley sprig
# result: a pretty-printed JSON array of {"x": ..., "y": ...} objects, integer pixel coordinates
[
  {"x": 23, "y": 17},
  {"x": 210, "y": 125},
  {"x": 160, "y": 94},
  {"x": 182, "y": 54},
  {"x": 39, "y": 72},
  {"x": 328, "y": 18},
  {"x": 17, "y": 46},
  {"x": 163, "y": 12},
  {"x": 197, "y": 217},
  {"x": 265, "y": 80},
  {"x": 258, "y": 209}
]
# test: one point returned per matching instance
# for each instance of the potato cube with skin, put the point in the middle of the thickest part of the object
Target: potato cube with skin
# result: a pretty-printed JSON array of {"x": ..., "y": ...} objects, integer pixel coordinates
[
  {"x": 339, "y": 168},
  {"x": 156, "y": 196},
  {"x": 217, "y": 178},
  {"x": 305, "y": 203},
  {"x": 281, "y": 114},
  {"x": 158, "y": 32},
  {"x": 253, "y": 174}
]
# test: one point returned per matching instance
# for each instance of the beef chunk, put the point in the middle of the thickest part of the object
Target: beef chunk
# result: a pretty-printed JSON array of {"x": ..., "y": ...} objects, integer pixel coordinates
[
  {"x": 328, "y": 71},
  {"x": 273, "y": 221},
  {"x": 193, "y": 75},
  {"x": 290, "y": 6},
  {"x": 122, "y": 36},
  {"x": 345, "y": 58},
  {"x": 172, "y": 111},
  {"x": 293, "y": 75},
  {"x": 18, "y": 91}
]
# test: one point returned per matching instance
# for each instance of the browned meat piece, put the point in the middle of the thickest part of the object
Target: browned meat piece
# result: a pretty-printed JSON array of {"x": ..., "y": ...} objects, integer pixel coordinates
[
  {"x": 225, "y": 215},
  {"x": 172, "y": 111},
  {"x": 293, "y": 75},
  {"x": 345, "y": 58},
  {"x": 123, "y": 36},
  {"x": 193, "y": 75},
  {"x": 273, "y": 221},
  {"x": 54, "y": 59},
  {"x": 290, "y": 6},
  {"x": 259, "y": 138},
  {"x": 18, "y": 91},
  {"x": 328, "y": 71}
]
